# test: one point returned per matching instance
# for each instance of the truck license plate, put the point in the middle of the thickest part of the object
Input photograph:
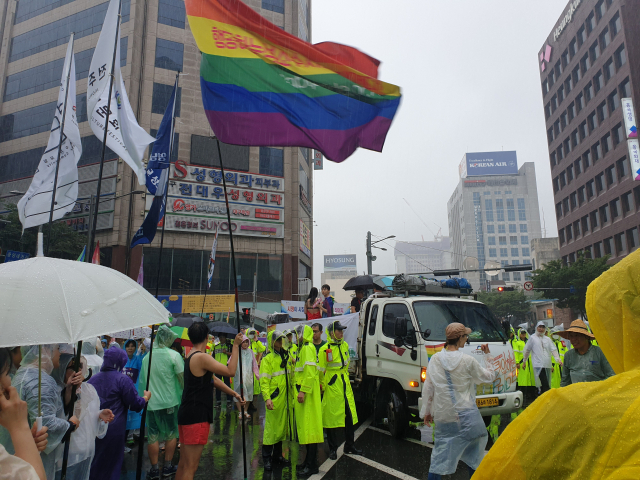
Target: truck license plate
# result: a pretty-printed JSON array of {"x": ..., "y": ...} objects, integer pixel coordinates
[{"x": 487, "y": 402}]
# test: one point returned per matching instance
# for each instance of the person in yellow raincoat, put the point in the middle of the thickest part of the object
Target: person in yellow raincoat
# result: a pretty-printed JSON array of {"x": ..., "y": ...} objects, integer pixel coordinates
[
  {"x": 526, "y": 377},
  {"x": 308, "y": 406},
  {"x": 275, "y": 385},
  {"x": 258, "y": 349},
  {"x": 556, "y": 374},
  {"x": 592, "y": 426},
  {"x": 338, "y": 403}
]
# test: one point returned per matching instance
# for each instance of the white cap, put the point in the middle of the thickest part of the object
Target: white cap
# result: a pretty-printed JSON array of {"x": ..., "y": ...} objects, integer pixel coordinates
[{"x": 540, "y": 324}]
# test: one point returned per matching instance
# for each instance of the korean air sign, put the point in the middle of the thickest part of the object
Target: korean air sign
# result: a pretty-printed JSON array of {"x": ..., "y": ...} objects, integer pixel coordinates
[{"x": 491, "y": 163}]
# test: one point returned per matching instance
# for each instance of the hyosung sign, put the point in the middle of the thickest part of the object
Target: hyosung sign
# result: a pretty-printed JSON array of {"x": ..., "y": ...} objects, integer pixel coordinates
[
  {"x": 490, "y": 163},
  {"x": 340, "y": 263}
]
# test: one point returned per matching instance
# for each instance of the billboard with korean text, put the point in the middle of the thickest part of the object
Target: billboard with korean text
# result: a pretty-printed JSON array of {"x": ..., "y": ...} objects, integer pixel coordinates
[{"x": 491, "y": 163}]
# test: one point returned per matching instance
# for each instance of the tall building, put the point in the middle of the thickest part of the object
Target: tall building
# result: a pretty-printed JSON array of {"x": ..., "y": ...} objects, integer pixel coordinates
[
  {"x": 587, "y": 68},
  {"x": 338, "y": 269},
  {"x": 421, "y": 256},
  {"x": 493, "y": 215},
  {"x": 273, "y": 187}
]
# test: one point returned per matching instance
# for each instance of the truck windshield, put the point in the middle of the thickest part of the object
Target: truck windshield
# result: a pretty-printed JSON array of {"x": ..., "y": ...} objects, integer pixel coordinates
[{"x": 436, "y": 315}]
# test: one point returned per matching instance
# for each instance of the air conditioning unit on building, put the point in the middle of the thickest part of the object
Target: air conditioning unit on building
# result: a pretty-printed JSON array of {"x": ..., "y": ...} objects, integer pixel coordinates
[{"x": 304, "y": 286}]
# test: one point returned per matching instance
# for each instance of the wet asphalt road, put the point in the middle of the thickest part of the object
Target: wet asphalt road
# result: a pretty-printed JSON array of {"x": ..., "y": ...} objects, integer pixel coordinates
[{"x": 384, "y": 457}]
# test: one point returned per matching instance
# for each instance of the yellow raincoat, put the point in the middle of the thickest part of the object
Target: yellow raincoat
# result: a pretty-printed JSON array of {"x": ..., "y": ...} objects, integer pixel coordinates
[
  {"x": 307, "y": 380},
  {"x": 593, "y": 426},
  {"x": 334, "y": 376},
  {"x": 275, "y": 384},
  {"x": 526, "y": 378},
  {"x": 258, "y": 348}
]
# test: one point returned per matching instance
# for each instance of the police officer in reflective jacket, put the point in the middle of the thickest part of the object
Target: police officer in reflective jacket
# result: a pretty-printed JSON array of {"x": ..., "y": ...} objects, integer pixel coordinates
[{"x": 338, "y": 404}]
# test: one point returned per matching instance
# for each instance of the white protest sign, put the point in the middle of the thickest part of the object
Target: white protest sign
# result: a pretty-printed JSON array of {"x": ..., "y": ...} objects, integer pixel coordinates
[
  {"x": 293, "y": 308},
  {"x": 341, "y": 308}
]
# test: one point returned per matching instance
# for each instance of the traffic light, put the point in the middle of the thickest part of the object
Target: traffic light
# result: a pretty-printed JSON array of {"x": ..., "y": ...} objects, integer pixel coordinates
[
  {"x": 246, "y": 315},
  {"x": 505, "y": 289},
  {"x": 501, "y": 289}
]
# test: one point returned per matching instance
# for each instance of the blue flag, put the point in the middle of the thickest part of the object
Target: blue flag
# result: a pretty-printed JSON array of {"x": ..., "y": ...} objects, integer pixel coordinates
[{"x": 158, "y": 175}]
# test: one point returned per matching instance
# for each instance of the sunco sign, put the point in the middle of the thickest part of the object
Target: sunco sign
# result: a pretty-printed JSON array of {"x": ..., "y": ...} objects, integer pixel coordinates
[
  {"x": 490, "y": 183},
  {"x": 573, "y": 6}
]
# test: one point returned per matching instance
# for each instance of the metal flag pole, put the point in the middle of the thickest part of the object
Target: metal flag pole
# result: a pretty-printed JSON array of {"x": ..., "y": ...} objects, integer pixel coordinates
[
  {"x": 235, "y": 282},
  {"x": 92, "y": 233},
  {"x": 67, "y": 436},
  {"x": 60, "y": 140},
  {"x": 143, "y": 420}
]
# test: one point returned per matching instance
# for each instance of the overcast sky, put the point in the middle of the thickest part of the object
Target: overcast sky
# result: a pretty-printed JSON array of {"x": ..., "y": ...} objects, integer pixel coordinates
[{"x": 470, "y": 82}]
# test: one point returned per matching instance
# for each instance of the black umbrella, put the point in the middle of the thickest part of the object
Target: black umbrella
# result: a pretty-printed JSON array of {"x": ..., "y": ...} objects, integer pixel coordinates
[
  {"x": 364, "y": 282},
  {"x": 185, "y": 321},
  {"x": 222, "y": 328}
]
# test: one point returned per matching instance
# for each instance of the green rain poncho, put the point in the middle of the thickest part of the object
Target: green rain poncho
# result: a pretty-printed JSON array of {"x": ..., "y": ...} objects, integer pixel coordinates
[
  {"x": 334, "y": 375},
  {"x": 53, "y": 417},
  {"x": 307, "y": 380},
  {"x": 592, "y": 427},
  {"x": 167, "y": 370},
  {"x": 275, "y": 384}
]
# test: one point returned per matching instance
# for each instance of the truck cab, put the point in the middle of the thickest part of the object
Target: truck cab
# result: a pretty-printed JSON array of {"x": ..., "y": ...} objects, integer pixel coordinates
[{"x": 399, "y": 334}]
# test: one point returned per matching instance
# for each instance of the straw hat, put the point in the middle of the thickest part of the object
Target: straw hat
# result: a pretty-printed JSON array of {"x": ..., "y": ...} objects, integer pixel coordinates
[{"x": 577, "y": 326}]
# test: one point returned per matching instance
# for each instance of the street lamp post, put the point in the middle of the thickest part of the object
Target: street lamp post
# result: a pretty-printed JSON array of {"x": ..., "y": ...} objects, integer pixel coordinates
[{"x": 370, "y": 257}]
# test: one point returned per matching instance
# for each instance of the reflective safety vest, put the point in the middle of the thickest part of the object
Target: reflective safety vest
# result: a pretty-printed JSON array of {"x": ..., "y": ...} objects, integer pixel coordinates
[
  {"x": 334, "y": 376},
  {"x": 307, "y": 380},
  {"x": 257, "y": 348},
  {"x": 275, "y": 384}
]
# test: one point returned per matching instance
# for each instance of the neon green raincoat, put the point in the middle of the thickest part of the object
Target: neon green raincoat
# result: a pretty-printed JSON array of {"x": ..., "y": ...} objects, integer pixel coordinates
[
  {"x": 307, "y": 379},
  {"x": 334, "y": 376},
  {"x": 556, "y": 375},
  {"x": 258, "y": 348},
  {"x": 592, "y": 426},
  {"x": 275, "y": 385},
  {"x": 526, "y": 378}
]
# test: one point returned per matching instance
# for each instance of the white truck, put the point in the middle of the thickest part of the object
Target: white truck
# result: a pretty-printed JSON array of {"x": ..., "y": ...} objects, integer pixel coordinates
[{"x": 399, "y": 333}]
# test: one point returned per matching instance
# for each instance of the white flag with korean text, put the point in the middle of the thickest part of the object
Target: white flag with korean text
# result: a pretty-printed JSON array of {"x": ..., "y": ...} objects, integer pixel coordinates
[
  {"x": 124, "y": 136},
  {"x": 35, "y": 206}
]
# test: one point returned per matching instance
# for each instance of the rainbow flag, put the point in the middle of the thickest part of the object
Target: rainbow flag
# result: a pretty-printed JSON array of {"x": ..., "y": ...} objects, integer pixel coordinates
[
  {"x": 262, "y": 86},
  {"x": 433, "y": 349}
]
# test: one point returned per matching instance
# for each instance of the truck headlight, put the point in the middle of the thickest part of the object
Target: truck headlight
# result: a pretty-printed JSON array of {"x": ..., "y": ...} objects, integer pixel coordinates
[{"x": 516, "y": 403}]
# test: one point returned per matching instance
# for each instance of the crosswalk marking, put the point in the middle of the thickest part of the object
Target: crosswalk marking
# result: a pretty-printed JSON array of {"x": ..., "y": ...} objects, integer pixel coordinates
[{"x": 382, "y": 468}]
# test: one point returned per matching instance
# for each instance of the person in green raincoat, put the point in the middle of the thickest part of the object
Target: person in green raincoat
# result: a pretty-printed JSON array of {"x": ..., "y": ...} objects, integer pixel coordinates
[
  {"x": 308, "y": 406},
  {"x": 526, "y": 378},
  {"x": 275, "y": 385},
  {"x": 556, "y": 374},
  {"x": 338, "y": 403},
  {"x": 258, "y": 349}
]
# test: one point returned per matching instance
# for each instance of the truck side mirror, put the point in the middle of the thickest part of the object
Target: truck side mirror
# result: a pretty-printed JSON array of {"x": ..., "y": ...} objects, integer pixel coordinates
[{"x": 400, "y": 328}]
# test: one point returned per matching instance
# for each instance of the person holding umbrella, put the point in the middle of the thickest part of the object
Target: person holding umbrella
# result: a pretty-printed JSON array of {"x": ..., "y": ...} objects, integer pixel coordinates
[
  {"x": 222, "y": 352},
  {"x": 53, "y": 417}
]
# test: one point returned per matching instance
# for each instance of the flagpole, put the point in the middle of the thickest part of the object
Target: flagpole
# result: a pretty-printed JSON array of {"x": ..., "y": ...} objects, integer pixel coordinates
[
  {"x": 153, "y": 327},
  {"x": 235, "y": 282},
  {"x": 55, "y": 179},
  {"x": 92, "y": 234}
]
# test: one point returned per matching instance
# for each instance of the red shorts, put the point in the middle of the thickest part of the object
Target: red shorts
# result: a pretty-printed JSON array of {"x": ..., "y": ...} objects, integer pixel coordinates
[{"x": 196, "y": 434}]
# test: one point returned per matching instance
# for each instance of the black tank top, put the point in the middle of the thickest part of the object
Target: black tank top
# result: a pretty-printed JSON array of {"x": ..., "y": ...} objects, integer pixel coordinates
[{"x": 197, "y": 397}]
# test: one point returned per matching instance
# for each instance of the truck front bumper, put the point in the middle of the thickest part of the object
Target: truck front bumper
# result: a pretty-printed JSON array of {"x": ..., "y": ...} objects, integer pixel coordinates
[{"x": 508, "y": 403}]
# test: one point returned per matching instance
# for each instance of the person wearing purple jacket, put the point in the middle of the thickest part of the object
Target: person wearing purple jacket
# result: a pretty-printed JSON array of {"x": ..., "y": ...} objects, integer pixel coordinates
[{"x": 118, "y": 393}]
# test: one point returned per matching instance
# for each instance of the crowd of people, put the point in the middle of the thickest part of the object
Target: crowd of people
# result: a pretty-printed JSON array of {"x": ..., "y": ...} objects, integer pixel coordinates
[{"x": 302, "y": 379}]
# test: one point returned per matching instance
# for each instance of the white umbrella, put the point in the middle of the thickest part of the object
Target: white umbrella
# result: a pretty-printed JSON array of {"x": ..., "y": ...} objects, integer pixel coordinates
[
  {"x": 134, "y": 333},
  {"x": 48, "y": 300}
]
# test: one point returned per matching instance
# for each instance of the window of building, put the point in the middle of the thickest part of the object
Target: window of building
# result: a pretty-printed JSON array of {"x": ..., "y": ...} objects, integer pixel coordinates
[
  {"x": 597, "y": 152},
  {"x": 601, "y": 8},
  {"x": 609, "y": 69},
  {"x": 569, "y": 233},
  {"x": 597, "y": 249},
  {"x": 571, "y": 111},
  {"x": 493, "y": 253},
  {"x": 577, "y": 168},
  {"x": 590, "y": 191},
  {"x": 273, "y": 5},
  {"x": 26, "y": 10},
  {"x": 605, "y": 38},
  {"x": 491, "y": 229},
  {"x": 525, "y": 253},
  {"x": 569, "y": 173},
  {"x": 558, "y": 210},
  {"x": 568, "y": 84},
  {"x": 605, "y": 214},
  {"x": 161, "y": 96},
  {"x": 303, "y": 179},
  {"x": 625, "y": 89},
  {"x": 502, "y": 229},
  {"x": 573, "y": 48},
  {"x": 594, "y": 52},
  {"x": 609, "y": 175},
  {"x": 513, "y": 240},
  {"x": 622, "y": 168},
  {"x": 592, "y": 120},
  {"x": 576, "y": 75},
  {"x": 620, "y": 57},
  {"x": 615, "y": 209},
  {"x": 603, "y": 112},
  {"x": 576, "y": 228},
  {"x": 586, "y": 160},
  {"x": 511, "y": 212},
  {"x": 598, "y": 82},
  {"x": 522, "y": 211},
  {"x": 560, "y": 94},
  {"x": 83, "y": 23},
  {"x": 618, "y": 134},
  {"x": 514, "y": 252},
  {"x": 609, "y": 247},
  {"x": 632, "y": 239},
  {"x": 491, "y": 240},
  {"x": 585, "y": 64},
  {"x": 573, "y": 200},
  {"x": 504, "y": 252},
  {"x": 552, "y": 159},
  {"x": 550, "y": 136},
  {"x": 581, "y": 197},
  {"x": 585, "y": 224},
  {"x": 512, "y": 228},
  {"x": 204, "y": 151},
  {"x": 500, "y": 210},
  {"x": 581, "y": 36},
  {"x": 595, "y": 219},
  {"x": 272, "y": 161},
  {"x": 523, "y": 228},
  {"x": 551, "y": 78},
  {"x": 556, "y": 185},
  {"x": 627, "y": 202},
  {"x": 169, "y": 54},
  {"x": 599, "y": 183},
  {"x": 615, "y": 24},
  {"x": 545, "y": 87},
  {"x": 172, "y": 13},
  {"x": 565, "y": 58},
  {"x": 517, "y": 277},
  {"x": 524, "y": 239},
  {"x": 558, "y": 69},
  {"x": 607, "y": 143},
  {"x": 561, "y": 238},
  {"x": 488, "y": 212},
  {"x": 502, "y": 240},
  {"x": 580, "y": 102}
]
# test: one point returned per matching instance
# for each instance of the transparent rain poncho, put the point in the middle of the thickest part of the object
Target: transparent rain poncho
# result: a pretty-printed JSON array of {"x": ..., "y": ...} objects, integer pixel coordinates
[
  {"x": 89, "y": 351},
  {"x": 249, "y": 368},
  {"x": 449, "y": 395},
  {"x": 83, "y": 441},
  {"x": 26, "y": 383}
]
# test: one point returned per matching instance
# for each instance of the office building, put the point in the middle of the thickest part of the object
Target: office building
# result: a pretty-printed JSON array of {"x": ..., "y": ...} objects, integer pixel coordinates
[
  {"x": 587, "y": 68},
  {"x": 423, "y": 257},
  {"x": 493, "y": 215},
  {"x": 273, "y": 187},
  {"x": 543, "y": 251}
]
